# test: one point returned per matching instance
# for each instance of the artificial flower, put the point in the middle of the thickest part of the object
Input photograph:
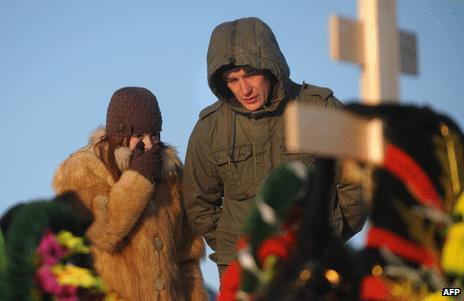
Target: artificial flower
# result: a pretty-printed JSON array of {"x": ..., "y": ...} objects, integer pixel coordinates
[
  {"x": 452, "y": 258},
  {"x": 269, "y": 269},
  {"x": 73, "y": 243},
  {"x": 74, "y": 275},
  {"x": 277, "y": 245},
  {"x": 230, "y": 282},
  {"x": 47, "y": 281},
  {"x": 50, "y": 250},
  {"x": 373, "y": 288},
  {"x": 437, "y": 296},
  {"x": 459, "y": 207}
]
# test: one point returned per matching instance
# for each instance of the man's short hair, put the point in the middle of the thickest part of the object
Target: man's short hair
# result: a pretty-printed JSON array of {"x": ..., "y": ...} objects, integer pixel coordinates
[{"x": 220, "y": 80}]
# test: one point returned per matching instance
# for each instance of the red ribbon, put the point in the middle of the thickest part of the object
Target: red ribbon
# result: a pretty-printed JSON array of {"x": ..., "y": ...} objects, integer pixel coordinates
[
  {"x": 409, "y": 172},
  {"x": 378, "y": 237}
]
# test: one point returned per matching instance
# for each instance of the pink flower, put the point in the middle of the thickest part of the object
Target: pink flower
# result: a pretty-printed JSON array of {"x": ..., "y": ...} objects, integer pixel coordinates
[
  {"x": 47, "y": 281},
  {"x": 50, "y": 250}
]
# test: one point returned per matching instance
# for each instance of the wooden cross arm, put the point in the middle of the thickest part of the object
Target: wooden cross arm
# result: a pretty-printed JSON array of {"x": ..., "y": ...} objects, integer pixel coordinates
[
  {"x": 333, "y": 133},
  {"x": 347, "y": 40}
]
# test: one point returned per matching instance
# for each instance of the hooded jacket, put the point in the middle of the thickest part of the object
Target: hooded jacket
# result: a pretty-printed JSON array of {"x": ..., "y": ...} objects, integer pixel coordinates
[
  {"x": 142, "y": 245},
  {"x": 231, "y": 150}
]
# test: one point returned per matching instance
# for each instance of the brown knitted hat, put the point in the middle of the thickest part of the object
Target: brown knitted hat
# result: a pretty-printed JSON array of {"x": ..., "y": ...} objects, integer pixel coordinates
[{"x": 133, "y": 111}]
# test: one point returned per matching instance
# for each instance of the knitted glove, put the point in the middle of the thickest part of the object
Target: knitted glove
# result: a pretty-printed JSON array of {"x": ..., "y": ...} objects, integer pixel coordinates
[{"x": 148, "y": 163}]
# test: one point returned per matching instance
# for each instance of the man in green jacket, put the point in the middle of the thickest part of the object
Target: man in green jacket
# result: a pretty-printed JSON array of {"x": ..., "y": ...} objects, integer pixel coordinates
[{"x": 239, "y": 139}]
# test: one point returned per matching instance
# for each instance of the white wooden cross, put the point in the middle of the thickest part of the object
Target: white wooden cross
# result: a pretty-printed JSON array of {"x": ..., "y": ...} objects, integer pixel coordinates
[{"x": 375, "y": 44}]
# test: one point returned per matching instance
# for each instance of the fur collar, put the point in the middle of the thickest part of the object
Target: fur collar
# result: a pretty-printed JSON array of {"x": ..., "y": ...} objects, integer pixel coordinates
[{"x": 171, "y": 160}]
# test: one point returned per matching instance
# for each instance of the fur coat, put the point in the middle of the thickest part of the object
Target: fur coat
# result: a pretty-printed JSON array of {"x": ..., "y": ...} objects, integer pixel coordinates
[{"x": 141, "y": 242}]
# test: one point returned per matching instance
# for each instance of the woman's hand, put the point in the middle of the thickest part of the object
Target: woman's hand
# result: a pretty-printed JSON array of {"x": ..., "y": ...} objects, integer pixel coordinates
[{"x": 147, "y": 163}]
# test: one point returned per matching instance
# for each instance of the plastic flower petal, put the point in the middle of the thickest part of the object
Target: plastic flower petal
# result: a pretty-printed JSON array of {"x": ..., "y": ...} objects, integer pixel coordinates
[
  {"x": 452, "y": 258},
  {"x": 49, "y": 250},
  {"x": 434, "y": 297},
  {"x": 47, "y": 280},
  {"x": 73, "y": 243},
  {"x": 75, "y": 276},
  {"x": 230, "y": 282}
]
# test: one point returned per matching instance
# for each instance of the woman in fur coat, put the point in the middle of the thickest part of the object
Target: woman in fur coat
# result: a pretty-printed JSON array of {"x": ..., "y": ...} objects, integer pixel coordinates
[{"x": 141, "y": 242}]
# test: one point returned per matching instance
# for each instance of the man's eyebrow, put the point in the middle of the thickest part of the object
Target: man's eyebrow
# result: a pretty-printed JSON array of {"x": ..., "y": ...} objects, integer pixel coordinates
[
  {"x": 248, "y": 71},
  {"x": 228, "y": 72},
  {"x": 228, "y": 78},
  {"x": 253, "y": 71}
]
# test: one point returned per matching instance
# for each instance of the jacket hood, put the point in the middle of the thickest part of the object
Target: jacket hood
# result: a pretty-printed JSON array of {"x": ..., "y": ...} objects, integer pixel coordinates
[
  {"x": 247, "y": 41},
  {"x": 172, "y": 164}
]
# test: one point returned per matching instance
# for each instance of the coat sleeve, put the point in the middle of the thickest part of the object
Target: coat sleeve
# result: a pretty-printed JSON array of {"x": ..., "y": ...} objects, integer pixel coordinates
[
  {"x": 202, "y": 186},
  {"x": 349, "y": 211},
  {"x": 116, "y": 207},
  {"x": 116, "y": 215}
]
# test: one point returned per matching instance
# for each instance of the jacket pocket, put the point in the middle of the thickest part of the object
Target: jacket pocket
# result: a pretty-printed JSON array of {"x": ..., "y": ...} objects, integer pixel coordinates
[
  {"x": 236, "y": 171},
  {"x": 286, "y": 156}
]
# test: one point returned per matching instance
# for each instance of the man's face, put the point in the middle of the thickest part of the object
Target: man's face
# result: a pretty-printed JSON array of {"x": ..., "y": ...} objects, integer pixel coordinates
[{"x": 251, "y": 89}]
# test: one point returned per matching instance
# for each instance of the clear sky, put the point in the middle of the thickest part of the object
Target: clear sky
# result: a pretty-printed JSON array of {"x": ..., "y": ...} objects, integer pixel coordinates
[{"x": 60, "y": 62}]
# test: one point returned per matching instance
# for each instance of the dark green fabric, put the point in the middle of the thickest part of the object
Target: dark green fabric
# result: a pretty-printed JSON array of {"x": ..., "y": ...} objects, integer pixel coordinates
[
  {"x": 231, "y": 150},
  {"x": 3, "y": 263},
  {"x": 2, "y": 253}
]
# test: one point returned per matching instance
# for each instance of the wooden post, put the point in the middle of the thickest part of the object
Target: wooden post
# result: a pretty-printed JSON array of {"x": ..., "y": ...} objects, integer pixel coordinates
[{"x": 380, "y": 67}]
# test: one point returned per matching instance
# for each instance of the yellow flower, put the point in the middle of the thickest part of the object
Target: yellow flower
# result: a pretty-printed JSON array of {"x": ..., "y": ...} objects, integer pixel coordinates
[
  {"x": 434, "y": 297},
  {"x": 452, "y": 258},
  {"x": 73, "y": 243},
  {"x": 75, "y": 276},
  {"x": 459, "y": 206},
  {"x": 268, "y": 269}
]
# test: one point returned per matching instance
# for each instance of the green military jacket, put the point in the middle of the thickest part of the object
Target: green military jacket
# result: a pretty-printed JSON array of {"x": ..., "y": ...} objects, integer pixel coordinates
[{"x": 231, "y": 150}]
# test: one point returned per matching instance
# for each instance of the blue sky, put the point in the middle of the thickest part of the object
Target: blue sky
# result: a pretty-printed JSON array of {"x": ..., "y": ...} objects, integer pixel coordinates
[{"x": 60, "y": 61}]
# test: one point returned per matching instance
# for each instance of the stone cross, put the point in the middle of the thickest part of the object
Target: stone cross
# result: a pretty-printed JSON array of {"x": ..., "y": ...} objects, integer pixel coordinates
[{"x": 375, "y": 44}]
